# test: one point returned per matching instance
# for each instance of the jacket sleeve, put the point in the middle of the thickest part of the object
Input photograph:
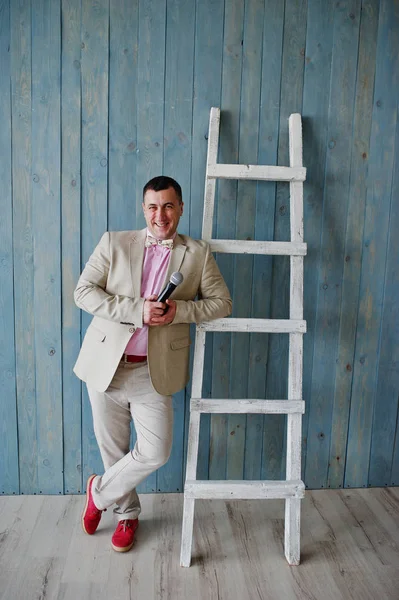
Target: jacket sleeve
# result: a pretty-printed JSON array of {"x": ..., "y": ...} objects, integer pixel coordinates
[
  {"x": 90, "y": 294},
  {"x": 214, "y": 298}
]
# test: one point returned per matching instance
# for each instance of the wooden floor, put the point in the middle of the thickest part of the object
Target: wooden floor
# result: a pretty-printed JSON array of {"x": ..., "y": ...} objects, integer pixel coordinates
[{"x": 350, "y": 549}]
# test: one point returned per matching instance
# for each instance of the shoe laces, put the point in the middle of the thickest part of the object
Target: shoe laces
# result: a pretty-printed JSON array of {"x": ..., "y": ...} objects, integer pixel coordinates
[{"x": 124, "y": 524}]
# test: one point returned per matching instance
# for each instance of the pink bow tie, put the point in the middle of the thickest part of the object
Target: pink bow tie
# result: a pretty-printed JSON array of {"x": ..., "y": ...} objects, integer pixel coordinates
[{"x": 151, "y": 241}]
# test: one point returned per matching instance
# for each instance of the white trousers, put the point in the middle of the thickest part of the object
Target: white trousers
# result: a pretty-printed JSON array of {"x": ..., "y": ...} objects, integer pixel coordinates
[{"x": 129, "y": 396}]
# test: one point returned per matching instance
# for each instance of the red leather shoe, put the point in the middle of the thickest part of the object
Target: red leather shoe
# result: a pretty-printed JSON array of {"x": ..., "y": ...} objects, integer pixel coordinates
[
  {"x": 91, "y": 514},
  {"x": 123, "y": 537}
]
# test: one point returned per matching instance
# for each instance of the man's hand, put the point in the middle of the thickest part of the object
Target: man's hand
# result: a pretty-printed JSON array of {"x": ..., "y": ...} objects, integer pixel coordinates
[{"x": 154, "y": 315}]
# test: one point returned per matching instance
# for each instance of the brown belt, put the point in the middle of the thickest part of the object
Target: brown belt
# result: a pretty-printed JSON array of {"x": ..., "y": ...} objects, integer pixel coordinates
[{"x": 133, "y": 358}]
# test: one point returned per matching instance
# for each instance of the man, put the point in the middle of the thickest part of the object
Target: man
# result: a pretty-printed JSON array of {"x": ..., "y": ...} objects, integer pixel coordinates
[{"x": 135, "y": 353}]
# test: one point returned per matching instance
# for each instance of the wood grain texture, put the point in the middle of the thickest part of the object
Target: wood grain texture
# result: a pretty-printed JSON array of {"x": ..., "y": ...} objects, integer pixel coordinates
[
  {"x": 179, "y": 61},
  {"x": 256, "y": 172},
  {"x": 150, "y": 115},
  {"x": 374, "y": 256},
  {"x": 291, "y": 90},
  {"x": 206, "y": 93},
  {"x": 247, "y": 325},
  {"x": 70, "y": 241},
  {"x": 21, "y": 109},
  {"x": 150, "y": 96},
  {"x": 226, "y": 220},
  {"x": 353, "y": 241},
  {"x": 245, "y": 228},
  {"x": 191, "y": 473},
  {"x": 217, "y": 405},
  {"x": 292, "y": 524},
  {"x": 332, "y": 243},
  {"x": 210, "y": 183},
  {"x": 384, "y": 435},
  {"x": 350, "y": 550},
  {"x": 316, "y": 91},
  {"x": 395, "y": 453},
  {"x": 132, "y": 75},
  {"x": 46, "y": 223},
  {"x": 247, "y": 490},
  {"x": 122, "y": 93},
  {"x": 258, "y": 247},
  {"x": 94, "y": 82},
  {"x": 8, "y": 406},
  {"x": 234, "y": 467},
  {"x": 269, "y": 111}
]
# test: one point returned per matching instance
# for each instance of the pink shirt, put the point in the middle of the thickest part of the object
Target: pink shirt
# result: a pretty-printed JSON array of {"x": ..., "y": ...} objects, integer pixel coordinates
[{"x": 155, "y": 266}]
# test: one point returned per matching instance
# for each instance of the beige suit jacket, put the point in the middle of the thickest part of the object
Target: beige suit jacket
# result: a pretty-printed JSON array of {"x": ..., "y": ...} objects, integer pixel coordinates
[{"x": 109, "y": 289}]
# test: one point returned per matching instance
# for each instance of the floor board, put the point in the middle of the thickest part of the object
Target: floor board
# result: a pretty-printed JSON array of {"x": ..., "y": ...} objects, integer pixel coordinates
[{"x": 349, "y": 550}]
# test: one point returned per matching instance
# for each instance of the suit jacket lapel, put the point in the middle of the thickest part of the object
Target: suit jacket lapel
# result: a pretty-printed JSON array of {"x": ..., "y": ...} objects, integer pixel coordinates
[
  {"x": 136, "y": 260},
  {"x": 176, "y": 258}
]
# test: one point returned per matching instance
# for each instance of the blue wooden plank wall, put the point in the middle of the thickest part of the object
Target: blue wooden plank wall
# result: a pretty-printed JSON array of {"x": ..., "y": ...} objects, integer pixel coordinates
[{"x": 98, "y": 97}]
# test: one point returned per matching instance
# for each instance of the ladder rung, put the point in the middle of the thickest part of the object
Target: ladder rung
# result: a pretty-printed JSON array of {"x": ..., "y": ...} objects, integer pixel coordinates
[
  {"x": 254, "y": 247},
  {"x": 254, "y": 325},
  {"x": 228, "y": 406},
  {"x": 256, "y": 172},
  {"x": 244, "y": 490}
]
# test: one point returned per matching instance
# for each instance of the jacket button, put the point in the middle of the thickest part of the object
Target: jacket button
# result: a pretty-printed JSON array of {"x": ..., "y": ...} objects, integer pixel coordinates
[{"x": 131, "y": 330}]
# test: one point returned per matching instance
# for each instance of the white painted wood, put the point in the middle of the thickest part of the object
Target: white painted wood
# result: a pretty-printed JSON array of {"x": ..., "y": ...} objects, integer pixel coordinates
[
  {"x": 256, "y": 172},
  {"x": 192, "y": 449},
  {"x": 210, "y": 183},
  {"x": 187, "y": 530},
  {"x": 296, "y": 188},
  {"x": 292, "y": 531},
  {"x": 198, "y": 364},
  {"x": 255, "y": 247},
  {"x": 291, "y": 490},
  {"x": 240, "y": 490},
  {"x": 295, "y": 366},
  {"x": 292, "y": 506},
  {"x": 295, "y": 139},
  {"x": 191, "y": 472},
  {"x": 199, "y": 352},
  {"x": 296, "y": 287},
  {"x": 255, "y": 325},
  {"x": 294, "y": 431},
  {"x": 271, "y": 407},
  {"x": 294, "y": 422}
]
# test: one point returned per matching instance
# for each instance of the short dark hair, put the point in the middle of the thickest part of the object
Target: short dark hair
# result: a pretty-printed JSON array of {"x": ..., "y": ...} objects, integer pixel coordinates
[{"x": 157, "y": 184}]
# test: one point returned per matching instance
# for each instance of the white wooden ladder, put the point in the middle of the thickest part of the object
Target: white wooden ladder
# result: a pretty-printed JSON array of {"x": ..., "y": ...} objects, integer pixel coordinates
[{"x": 291, "y": 489}]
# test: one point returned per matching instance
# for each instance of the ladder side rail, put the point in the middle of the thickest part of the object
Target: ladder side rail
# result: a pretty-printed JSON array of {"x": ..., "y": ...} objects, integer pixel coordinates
[
  {"x": 294, "y": 421},
  {"x": 296, "y": 187},
  {"x": 210, "y": 183},
  {"x": 196, "y": 391},
  {"x": 192, "y": 449},
  {"x": 199, "y": 350}
]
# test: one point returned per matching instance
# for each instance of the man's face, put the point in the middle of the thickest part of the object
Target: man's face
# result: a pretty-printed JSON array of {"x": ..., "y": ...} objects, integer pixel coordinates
[{"x": 162, "y": 212}]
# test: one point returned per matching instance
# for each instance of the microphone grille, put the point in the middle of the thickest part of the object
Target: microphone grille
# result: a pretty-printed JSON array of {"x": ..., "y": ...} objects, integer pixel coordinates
[{"x": 176, "y": 278}]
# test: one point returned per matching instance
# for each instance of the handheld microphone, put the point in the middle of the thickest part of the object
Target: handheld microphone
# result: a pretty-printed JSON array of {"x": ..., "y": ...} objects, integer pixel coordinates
[{"x": 175, "y": 279}]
